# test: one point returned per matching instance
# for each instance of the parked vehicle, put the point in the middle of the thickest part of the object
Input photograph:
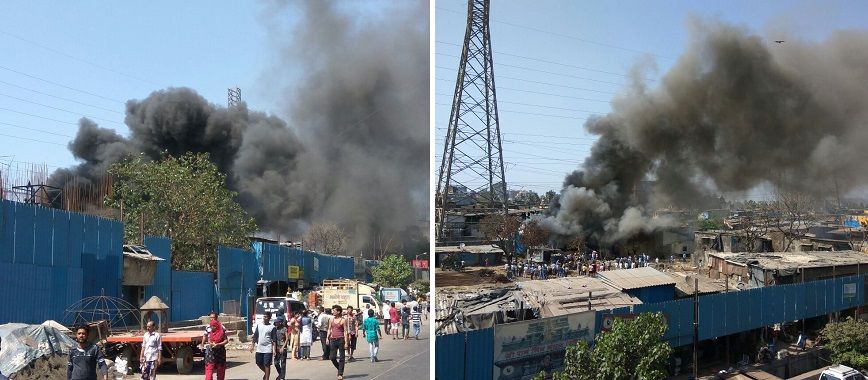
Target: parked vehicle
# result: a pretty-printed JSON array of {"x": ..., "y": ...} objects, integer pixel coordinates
[
  {"x": 277, "y": 306},
  {"x": 841, "y": 372},
  {"x": 348, "y": 293}
]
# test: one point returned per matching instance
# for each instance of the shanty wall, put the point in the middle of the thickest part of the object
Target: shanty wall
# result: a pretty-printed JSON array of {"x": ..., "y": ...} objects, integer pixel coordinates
[
  {"x": 50, "y": 259},
  {"x": 719, "y": 315},
  {"x": 467, "y": 355}
]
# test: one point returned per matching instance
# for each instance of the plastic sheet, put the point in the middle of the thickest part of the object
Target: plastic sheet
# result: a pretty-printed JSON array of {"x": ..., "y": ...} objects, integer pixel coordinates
[{"x": 22, "y": 344}]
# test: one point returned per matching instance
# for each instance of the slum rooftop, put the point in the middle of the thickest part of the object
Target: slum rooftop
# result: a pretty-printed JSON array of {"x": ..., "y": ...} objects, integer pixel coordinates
[
  {"x": 482, "y": 248},
  {"x": 476, "y": 307},
  {"x": 794, "y": 260},
  {"x": 635, "y": 278}
]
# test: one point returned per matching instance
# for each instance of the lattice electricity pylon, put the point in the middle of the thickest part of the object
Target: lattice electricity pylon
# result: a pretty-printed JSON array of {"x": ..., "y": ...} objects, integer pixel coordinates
[
  {"x": 472, "y": 173},
  {"x": 234, "y": 97}
]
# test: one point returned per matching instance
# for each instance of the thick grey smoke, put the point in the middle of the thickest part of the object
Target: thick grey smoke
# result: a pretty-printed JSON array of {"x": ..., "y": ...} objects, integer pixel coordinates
[
  {"x": 735, "y": 112},
  {"x": 355, "y": 151}
]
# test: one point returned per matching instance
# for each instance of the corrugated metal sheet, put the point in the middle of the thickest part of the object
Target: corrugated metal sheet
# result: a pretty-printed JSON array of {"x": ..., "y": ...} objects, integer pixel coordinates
[
  {"x": 191, "y": 295},
  {"x": 467, "y": 355},
  {"x": 162, "y": 286},
  {"x": 450, "y": 356},
  {"x": 635, "y": 278}
]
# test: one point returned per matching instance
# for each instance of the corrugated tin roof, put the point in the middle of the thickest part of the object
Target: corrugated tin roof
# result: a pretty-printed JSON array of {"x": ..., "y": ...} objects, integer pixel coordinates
[
  {"x": 684, "y": 283},
  {"x": 794, "y": 260},
  {"x": 626, "y": 279},
  {"x": 485, "y": 248}
]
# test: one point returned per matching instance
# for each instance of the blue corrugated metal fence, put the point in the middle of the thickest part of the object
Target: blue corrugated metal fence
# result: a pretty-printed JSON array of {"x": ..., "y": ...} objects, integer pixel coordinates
[
  {"x": 467, "y": 355},
  {"x": 50, "y": 259}
]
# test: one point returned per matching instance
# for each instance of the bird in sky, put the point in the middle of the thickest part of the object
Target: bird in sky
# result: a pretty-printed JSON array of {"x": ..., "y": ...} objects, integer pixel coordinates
[{"x": 780, "y": 41}]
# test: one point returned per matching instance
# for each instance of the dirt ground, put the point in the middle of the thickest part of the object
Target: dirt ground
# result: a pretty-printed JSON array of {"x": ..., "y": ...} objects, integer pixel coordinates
[{"x": 469, "y": 276}]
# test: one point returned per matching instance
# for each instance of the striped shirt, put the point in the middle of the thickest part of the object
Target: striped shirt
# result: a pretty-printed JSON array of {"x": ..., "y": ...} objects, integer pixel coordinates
[{"x": 416, "y": 317}]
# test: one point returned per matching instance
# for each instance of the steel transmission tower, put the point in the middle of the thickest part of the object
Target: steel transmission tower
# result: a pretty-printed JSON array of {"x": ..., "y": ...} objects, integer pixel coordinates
[
  {"x": 472, "y": 172},
  {"x": 234, "y": 97}
]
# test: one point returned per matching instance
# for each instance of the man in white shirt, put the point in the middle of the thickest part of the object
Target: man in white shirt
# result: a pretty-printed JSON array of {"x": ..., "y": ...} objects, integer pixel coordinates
[
  {"x": 152, "y": 347},
  {"x": 386, "y": 317},
  {"x": 323, "y": 320}
]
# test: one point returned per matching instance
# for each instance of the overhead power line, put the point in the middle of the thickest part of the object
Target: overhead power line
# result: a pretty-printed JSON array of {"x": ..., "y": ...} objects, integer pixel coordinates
[
  {"x": 37, "y": 116},
  {"x": 592, "y": 42},
  {"x": 61, "y": 109},
  {"x": 29, "y": 139},
  {"x": 553, "y": 63},
  {"x": 35, "y": 129},
  {"x": 61, "y": 98},
  {"x": 61, "y": 85},
  {"x": 77, "y": 58}
]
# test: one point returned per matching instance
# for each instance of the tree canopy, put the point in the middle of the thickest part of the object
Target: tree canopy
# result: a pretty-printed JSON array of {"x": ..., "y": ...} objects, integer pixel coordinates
[
  {"x": 848, "y": 341},
  {"x": 500, "y": 230},
  {"x": 646, "y": 357},
  {"x": 326, "y": 238},
  {"x": 184, "y": 198},
  {"x": 393, "y": 272}
]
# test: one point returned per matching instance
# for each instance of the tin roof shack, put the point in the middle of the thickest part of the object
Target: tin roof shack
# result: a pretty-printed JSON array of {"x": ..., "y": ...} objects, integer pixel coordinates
[
  {"x": 646, "y": 283},
  {"x": 684, "y": 284},
  {"x": 470, "y": 308},
  {"x": 775, "y": 268},
  {"x": 139, "y": 266},
  {"x": 470, "y": 254}
]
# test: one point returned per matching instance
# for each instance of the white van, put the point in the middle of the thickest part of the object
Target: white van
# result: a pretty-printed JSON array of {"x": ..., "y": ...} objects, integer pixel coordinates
[
  {"x": 841, "y": 372},
  {"x": 277, "y": 306}
]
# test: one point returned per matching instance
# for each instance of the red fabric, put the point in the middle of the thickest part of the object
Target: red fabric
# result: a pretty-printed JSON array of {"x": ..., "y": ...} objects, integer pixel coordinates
[
  {"x": 221, "y": 371},
  {"x": 393, "y": 313},
  {"x": 217, "y": 334}
]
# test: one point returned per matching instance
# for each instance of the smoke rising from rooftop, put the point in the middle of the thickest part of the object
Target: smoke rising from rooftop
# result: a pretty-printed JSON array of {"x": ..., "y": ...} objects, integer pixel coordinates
[
  {"x": 736, "y": 111},
  {"x": 354, "y": 150}
]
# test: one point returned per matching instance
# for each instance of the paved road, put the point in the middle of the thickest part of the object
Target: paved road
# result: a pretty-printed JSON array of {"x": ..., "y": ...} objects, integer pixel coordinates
[{"x": 399, "y": 359}]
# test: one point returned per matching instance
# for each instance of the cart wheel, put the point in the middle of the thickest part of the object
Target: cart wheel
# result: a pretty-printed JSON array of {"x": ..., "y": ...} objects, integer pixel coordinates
[{"x": 184, "y": 360}]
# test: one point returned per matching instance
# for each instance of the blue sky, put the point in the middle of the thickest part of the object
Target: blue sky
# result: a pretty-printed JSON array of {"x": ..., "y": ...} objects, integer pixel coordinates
[
  {"x": 556, "y": 62},
  {"x": 65, "y": 60}
]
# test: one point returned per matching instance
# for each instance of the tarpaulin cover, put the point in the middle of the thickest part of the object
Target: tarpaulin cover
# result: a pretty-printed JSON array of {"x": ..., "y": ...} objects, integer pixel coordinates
[{"x": 23, "y": 345}]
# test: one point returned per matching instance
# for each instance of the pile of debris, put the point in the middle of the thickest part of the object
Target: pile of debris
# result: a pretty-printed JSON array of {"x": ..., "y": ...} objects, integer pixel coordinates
[{"x": 34, "y": 351}]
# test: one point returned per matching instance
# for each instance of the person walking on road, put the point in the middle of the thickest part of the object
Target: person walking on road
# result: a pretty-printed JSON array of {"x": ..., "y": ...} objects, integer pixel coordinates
[
  {"x": 387, "y": 318},
  {"x": 263, "y": 343},
  {"x": 85, "y": 358},
  {"x": 372, "y": 334},
  {"x": 323, "y": 326},
  {"x": 395, "y": 319},
  {"x": 306, "y": 337},
  {"x": 293, "y": 329},
  {"x": 281, "y": 338},
  {"x": 151, "y": 355},
  {"x": 338, "y": 338},
  {"x": 215, "y": 351},
  {"x": 416, "y": 318},
  {"x": 352, "y": 330},
  {"x": 405, "y": 322}
]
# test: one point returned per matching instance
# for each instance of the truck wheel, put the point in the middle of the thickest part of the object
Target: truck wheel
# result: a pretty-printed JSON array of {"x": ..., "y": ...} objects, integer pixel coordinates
[{"x": 184, "y": 360}]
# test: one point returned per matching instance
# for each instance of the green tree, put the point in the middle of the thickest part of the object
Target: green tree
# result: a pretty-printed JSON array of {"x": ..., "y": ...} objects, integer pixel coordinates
[
  {"x": 848, "y": 342},
  {"x": 184, "y": 198},
  {"x": 393, "y": 272},
  {"x": 421, "y": 287},
  {"x": 527, "y": 198},
  {"x": 711, "y": 224},
  {"x": 646, "y": 357},
  {"x": 549, "y": 196}
]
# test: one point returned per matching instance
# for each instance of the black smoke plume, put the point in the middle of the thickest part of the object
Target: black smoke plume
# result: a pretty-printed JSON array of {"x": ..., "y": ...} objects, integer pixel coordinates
[
  {"x": 355, "y": 149},
  {"x": 735, "y": 112}
]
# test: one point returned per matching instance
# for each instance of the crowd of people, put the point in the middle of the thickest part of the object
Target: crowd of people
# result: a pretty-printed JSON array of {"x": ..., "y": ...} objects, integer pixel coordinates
[
  {"x": 582, "y": 264},
  {"x": 336, "y": 328}
]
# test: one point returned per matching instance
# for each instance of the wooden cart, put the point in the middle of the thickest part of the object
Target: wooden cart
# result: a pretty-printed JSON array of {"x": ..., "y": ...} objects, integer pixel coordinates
[{"x": 178, "y": 347}]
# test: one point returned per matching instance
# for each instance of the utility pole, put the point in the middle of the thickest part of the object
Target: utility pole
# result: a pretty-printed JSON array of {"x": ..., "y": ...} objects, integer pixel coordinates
[
  {"x": 472, "y": 169},
  {"x": 695, "y": 327}
]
